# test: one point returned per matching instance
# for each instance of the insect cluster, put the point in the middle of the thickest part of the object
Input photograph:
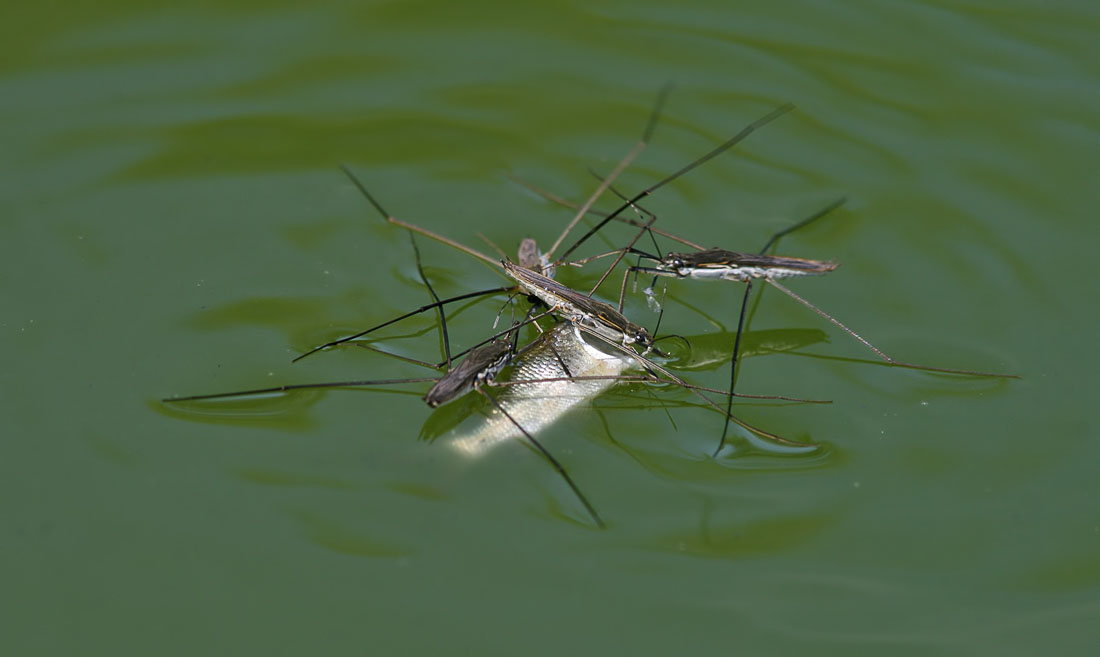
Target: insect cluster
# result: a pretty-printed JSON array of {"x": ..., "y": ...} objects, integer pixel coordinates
[{"x": 585, "y": 344}]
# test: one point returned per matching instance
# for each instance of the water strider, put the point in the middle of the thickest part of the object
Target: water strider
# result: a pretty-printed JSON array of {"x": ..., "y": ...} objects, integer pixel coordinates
[
  {"x": 601, "y": 318},
  {"x": 538, "y": 399},
  {"x": 544, "y": 260},
  {"x": 590, "y": 316},
  {"x": 555, "y": 373},
  {"x": 609, "y": 325},
  {"x": 478, "y": 369},
  {"x": 483, "y": 363},
  {"x": 560, "y": 299},
  {"x": 723, "y": 264},
  {"x": 529, "y": 256},
  {"x": 598, "y": 316},
  {"x": 594, "y": 317}
]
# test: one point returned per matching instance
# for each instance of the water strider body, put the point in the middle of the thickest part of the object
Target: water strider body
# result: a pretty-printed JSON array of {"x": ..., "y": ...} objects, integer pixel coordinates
[
  {"x": 721, "y": 264},
  {"x": 601, "y": 318},
  {"x": 716, "y": 264},
  {"x": 480, "y": 367}
]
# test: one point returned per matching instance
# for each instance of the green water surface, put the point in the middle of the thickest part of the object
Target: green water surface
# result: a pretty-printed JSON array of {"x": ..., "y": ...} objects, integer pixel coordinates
[{"x": 173, "y": 221}]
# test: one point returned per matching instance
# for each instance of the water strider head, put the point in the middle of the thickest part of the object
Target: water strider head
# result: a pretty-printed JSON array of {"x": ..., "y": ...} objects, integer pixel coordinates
[
  {"x": 603, "y": 320},
  {"x": 611, "y": 325},
  {"x": 674, "y": 263}
]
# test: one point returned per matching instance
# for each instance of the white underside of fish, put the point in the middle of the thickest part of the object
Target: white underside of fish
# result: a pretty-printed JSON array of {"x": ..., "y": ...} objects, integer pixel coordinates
[{"x": 538, "y": 403}]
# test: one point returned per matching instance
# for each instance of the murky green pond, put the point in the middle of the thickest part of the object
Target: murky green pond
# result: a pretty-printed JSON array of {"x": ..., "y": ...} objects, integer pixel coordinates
[{"x": 174, "y": 222}]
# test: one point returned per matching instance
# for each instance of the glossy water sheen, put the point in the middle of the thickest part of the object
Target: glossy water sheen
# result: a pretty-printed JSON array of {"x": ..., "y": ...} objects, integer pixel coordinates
[{"x": 174, "y": 222}]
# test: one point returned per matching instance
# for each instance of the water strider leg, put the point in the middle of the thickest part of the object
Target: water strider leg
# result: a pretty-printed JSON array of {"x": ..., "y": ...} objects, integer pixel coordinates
[
  {"x": 653, "y": 368},
  {"x": 435, "y": 297},
  {"x": 549, "y": 457},
  {"x": 393, "y": 220},
  {"x": 662, "y": 96},
  {"x": 881, "y": 354},
  {"x": 424, "y": 308},
  {"x": 741, "y": 318},
  {"x": 437, "y": 302},
  {"x": 554, "y": 198},
  {"x": 730, "y": 143},
  {"x": 298, "y": 386}
]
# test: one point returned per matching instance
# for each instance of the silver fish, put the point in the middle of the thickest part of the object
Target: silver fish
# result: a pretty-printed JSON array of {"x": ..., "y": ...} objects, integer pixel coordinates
[{"x": 539, "y": 403}]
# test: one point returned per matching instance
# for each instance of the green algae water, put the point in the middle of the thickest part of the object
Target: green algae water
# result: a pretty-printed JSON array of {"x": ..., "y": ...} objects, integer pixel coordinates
[{"x": 174, "y": 222}]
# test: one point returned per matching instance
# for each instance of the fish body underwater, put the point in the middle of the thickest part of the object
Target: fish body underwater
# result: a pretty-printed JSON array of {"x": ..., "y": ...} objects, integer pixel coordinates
[{"x": 561, "y": 352}]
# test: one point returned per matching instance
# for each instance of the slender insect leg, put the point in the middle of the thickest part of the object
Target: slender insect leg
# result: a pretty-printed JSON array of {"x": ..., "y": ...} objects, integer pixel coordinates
[
  {"x": 881, "y": 354},
  {"x": 298, "y": 386},
  {"x": 646, "y": 136},
  {"x": 461, "y": 297},
  {"x": 733, "y": 364},
  {"x": 437, "y": 303},
  {"x": 407, "y": 359},
  {"x": 661, "y": 313},
  {"x": 506, "y": 331},
  {"x": 435, "y": 298},
  {"x": 802, "y": 224},
  {"x": 549, "y": 457},
  {"x": 554, "y": 198},
  {"x": 745, "y": 132},
  {"x": 774, "y": 239},
  {"x": 651, "y": 367},
  {"x": 561, "y": 361},
  {"x": 619, "y": 258},
  {"x": 742, "y": 321},
  {"x": 622, "y": 288}
]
